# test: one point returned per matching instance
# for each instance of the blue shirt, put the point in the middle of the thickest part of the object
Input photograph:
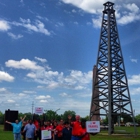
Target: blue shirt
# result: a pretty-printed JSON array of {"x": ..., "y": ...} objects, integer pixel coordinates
[
  {"x": 30, "y": 130},
  {"x": 17, "y": 127}
]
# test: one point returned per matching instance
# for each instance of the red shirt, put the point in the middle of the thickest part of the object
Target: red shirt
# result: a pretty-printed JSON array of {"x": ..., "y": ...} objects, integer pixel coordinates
[
  {"x": 84, "y": 133},
  {"x": 36, "y": 124},
  {"x": 50, "y": 127},
  {"x": 42, "y": 128},
  {"x": 59, "y": 129},
  {"x": 76, "y": 127}
]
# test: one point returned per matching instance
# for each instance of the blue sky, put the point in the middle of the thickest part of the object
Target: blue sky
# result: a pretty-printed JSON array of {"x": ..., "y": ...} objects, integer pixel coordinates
[{"x": 49, "y": 48}]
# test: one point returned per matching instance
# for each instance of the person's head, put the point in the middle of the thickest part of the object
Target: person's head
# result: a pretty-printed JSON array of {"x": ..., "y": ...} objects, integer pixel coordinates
[
  {"x": 67, "y": 124},
  {"x": 24, "y": 123},
  {"x": 54, "y": 124},
  {"x": 61, "y": 122},
  {"x": 77, "y": 117},
  {"x": 49, "y": 122},
  {"x": 16, "y": 121},
  {"x": 30, "y": 121}
]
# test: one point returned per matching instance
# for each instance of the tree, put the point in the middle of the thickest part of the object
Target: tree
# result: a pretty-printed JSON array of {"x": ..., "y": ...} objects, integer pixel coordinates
[
  {"x": 1, "y": 118},
  {"x": 137, "y": 117},
  {"x": 69, "y": 112},
  {"x": 50, "y": 114},
  {"x": 86, "y": 118}
]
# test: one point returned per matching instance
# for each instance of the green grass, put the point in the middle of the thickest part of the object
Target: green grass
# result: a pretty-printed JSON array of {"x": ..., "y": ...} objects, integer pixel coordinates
[
  {"x": 121, "y": 133},
  {"x": 5, "y": 135}
]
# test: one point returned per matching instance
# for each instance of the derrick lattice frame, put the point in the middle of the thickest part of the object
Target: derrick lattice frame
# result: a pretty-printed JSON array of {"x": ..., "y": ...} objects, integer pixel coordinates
[{"x": 111, "y": 94}]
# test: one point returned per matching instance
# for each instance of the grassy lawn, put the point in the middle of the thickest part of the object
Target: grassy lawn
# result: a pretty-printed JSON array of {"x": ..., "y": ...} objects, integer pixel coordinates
[{"x": 121, "y": 133}]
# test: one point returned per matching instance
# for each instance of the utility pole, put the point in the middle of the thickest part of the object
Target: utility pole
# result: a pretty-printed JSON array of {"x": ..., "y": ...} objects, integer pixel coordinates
[{"x": 32, "y": 108}]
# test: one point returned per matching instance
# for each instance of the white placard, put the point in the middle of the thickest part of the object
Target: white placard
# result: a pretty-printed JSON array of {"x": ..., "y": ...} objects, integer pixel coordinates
[
  {"x": 45, "y": 134},
  {"x": 38, "y": 110},
  {"x": 93, "y": 126}
]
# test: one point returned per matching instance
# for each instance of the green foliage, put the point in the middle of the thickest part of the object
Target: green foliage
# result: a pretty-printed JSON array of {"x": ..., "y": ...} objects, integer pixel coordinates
[
  {"x": 50, "y": 115},
  {"x": 1, "y": 118},
  {"x": 86, "y": 118},
  {"x": 138, "y": 118},
  {"x": 69, "y": 112}
]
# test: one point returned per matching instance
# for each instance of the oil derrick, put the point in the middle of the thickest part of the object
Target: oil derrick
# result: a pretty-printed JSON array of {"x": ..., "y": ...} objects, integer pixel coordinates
[{"x": 110, "y": 93}]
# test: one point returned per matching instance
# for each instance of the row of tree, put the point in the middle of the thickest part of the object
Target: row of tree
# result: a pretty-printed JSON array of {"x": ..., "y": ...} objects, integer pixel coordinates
[{"x": 52, "y": 115}]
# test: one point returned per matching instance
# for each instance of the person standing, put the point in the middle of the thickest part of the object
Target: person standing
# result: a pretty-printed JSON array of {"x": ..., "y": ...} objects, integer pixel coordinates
[
  {"x": 23, "y": 133},
  {"x": 83, "y": 132},
  {"x": 66, "y": 132},
  {"x": 49, "y": 127},
  {"x": 30, "y": 130},
  {"x": 17, "y": 128},
  {"x": 76, "y": 126},
  {"x": 59, "y": 129}
]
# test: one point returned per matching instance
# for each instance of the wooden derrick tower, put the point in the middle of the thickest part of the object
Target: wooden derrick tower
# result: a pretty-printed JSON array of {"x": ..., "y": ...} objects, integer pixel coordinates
[{"x": 110, "y": 94}]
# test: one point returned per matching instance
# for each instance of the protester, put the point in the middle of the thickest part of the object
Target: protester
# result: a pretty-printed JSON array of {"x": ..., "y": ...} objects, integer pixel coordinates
[
  {"x": 83, "y": 132},
  {"x": 59, "y": 129},
  {"x": 36, "y": 123},
  {"x": 54, "y": 128},
  {"x": 23, "y": 133},
  {"x": 49, "y": 127},
  {"x": 67, "y": 131},
  {"x": 17, "y": 128},
  {"x": 76, "y": 126},
  {"x": 30, "y": 130}
]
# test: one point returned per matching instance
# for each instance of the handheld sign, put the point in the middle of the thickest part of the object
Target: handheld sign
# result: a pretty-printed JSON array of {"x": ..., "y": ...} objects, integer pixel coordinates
[
  {"x": 45, "y": 134},
  {"x": 38, "y": 110},
  {"x": 93, "y": 126}
]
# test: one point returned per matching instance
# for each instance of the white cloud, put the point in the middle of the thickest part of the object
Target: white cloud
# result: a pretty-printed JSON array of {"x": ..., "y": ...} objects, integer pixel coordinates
[
  {"x": 80, "y": 87},
  {"x": 131, "y": 14},
  {"x": 135, "y": 91},
  {"x": 52, "y": 85},
  {"x": 22, "y": 94},
  {"x": 43, "y": 101},
  {"x": 43, "y": 97},
  {"x": 15, "y": 36},
  {"x": 76, "y": 80},
  {"x": 29, "y": 92},
  {"x": 2, "y": 89},
  {"x": 134, "y": 80},
  {"x": 90, "y": 6},
  {"x": 41, "y": 59},
  {"x": 63, "y": 94},
  {"x": 53, "y": 79},
  {"x": 6, "y": 77},
  {"x": 23, "y": 64},
  {"x": 38, "y": 26},
  {"x": 97, "y": 22},
  {"x": 4, "y": 25},
  {"x": 134, "y": 60},
  {"x": 132, "y": 7},
  {"x": 10, "y": 101}
]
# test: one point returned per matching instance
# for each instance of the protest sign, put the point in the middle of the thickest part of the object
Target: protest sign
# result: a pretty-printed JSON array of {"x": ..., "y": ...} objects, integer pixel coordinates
[
  {"x": 45, "y": 134},
  {"x": 38, "y": 110},
  {"x": 93, "y": 126}
]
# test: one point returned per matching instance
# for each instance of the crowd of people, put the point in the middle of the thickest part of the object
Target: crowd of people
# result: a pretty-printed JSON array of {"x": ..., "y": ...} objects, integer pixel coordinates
[{"x": 62, "y": 130}]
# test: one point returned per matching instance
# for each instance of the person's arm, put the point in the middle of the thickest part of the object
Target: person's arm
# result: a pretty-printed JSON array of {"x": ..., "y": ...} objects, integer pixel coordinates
[
  {"x": 69, "y": 119},
  {"x": 8, "y": 122},
  {"x": 22, "y": 119}
]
